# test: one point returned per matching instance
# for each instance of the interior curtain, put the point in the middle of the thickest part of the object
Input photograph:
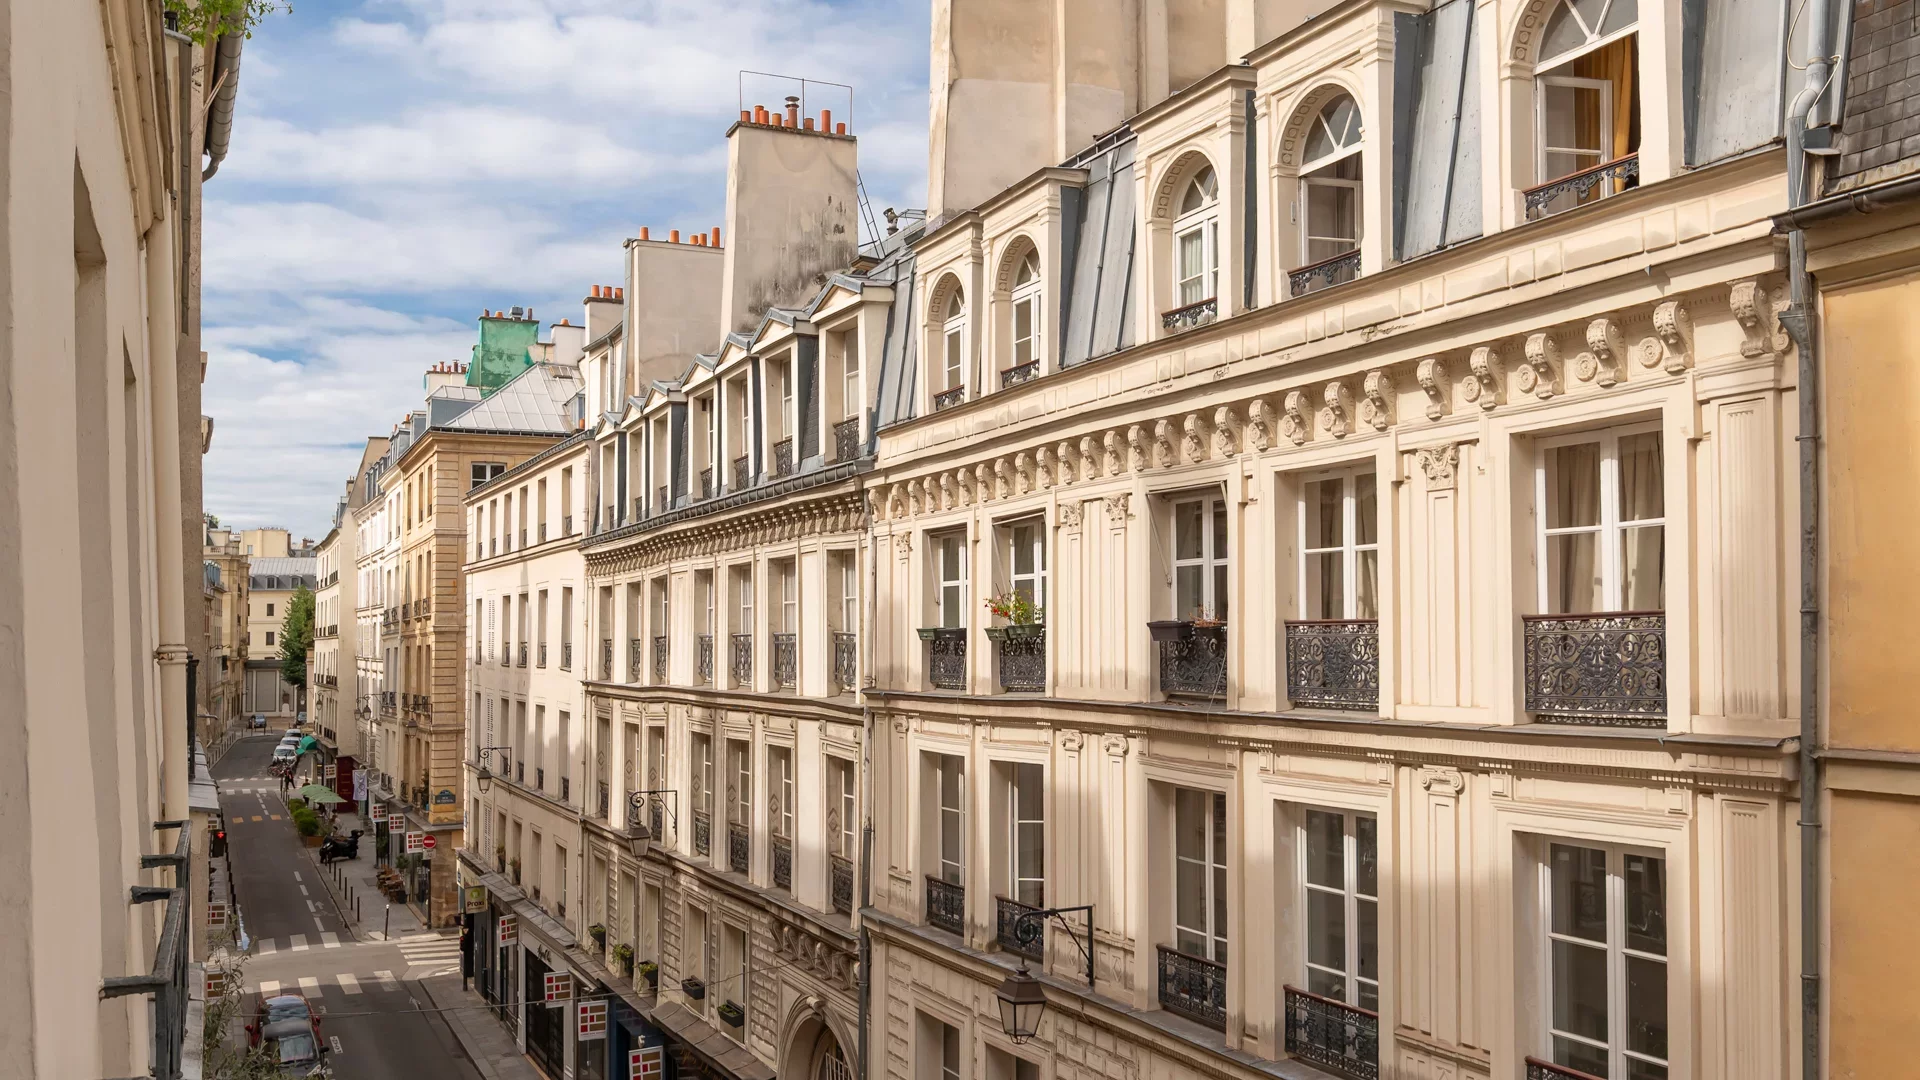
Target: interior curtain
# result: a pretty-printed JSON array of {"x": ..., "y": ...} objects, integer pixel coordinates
[
  {"x": 1615, "y": 63},
  {"x": 1577, "y": 491}
]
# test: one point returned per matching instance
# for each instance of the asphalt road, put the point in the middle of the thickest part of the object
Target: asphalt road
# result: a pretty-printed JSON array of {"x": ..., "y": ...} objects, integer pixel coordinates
[{"x": 372, "y": 1008}]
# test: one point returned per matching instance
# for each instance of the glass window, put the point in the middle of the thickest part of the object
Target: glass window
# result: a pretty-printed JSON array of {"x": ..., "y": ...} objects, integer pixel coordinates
[
  {"x": 1200, "y": 873},
  {"x": 1197, "y": 240},
  {"x": 789, "y": 597},
  {"x": 1200, "y": 559},
  {"x": 740, "y": 783},
  {"x": 1607, "y": 949},
  {"x": 949, "y": 1052},
  {"x": 843, "y": 793},
  {"x": 950, "y": 565},
  {"x": 953, "y": 342},
  {"x": 1602, "y": 510},
  {"x": 952, "y": 783},
  {"x": 780, "y": 798},
  {"x": 1340, "y": 879},
  {"x": 1029, "y": 561},
  {"x": 703, "y": 773},
  {"x": 1330, "y": 183},
  {"x": 1586, "y": 100},
  {"x": 1339, "y": 547},
  {"x": 1027, "y": 818},
  {"x": 1026, "y": 311}
]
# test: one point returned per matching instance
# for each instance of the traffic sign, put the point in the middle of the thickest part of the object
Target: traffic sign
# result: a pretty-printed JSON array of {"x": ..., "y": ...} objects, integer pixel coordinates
[
  {"x": 593, "y": 1020},
  {"x": 427, "y": 841}
]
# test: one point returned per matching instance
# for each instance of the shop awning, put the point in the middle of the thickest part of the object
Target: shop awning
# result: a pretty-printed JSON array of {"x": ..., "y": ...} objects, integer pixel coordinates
[{"x": 324, "y": 796}]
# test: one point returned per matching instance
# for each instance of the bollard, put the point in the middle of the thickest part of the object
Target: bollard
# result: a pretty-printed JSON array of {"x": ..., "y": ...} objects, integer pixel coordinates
[{"x": 386, "y": 924}]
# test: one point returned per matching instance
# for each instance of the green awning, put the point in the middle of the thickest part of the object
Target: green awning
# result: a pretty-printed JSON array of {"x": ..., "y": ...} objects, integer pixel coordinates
[
  {"x": 320, "y": 794},
  {"x": 307, "y": 742}
]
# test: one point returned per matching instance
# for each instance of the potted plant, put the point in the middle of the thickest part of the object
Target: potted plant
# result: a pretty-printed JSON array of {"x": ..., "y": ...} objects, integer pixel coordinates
[
  {"x": 1169, "y": 630},
  {"x": 380, "y": 847},
  {"x": 514, "y": 865},
  {"x": 499, "y": 856},
  {"x": 733, "y": 1014},
  {"x": 599, "y": 935},
  {"x": 1209, "y": 626},
  {"x": 1021, "y": 616},
  {"x": 694, "y": 988},
  {"x": 623, "y": 958},
  {"x": 649, "y": 970}
]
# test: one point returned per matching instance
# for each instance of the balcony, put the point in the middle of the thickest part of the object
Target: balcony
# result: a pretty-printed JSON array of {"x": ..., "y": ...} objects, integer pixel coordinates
[
  {"x": 1334, "y": 664},
  {"x": 740, "y": 474},
  {"x": 524, "y": 649},
  {"x": 1585, "y": 186},
  {"x": 703, "y": 659},
  {"x": 947, "y": 399},
  {"x": 1193, "y": 988},
  {"x": 1190, "y": 316},
  {"x": 840, "y": 883},
  {"x": 846, "y": 661},
  {"x": 605, "y": 803},
  {"x": 1193, "y": 658},
  {"x": 1007, "y": 912},
  {"x": 1605, "y": 668},
  {"x": 1340, "y": 1038},
  {"x": 523, "y": 536},
  {"x": 634, "y": 656},
  {"x": 846, "y": 439},
  {"x": 566, "y": 789},
  {"x": 566, "y": 525},
  {"x": 782, "y": 862},
  {"x": 520, "y": 772},
  {"x": 542, "y": 655},
  {"x": 740, "y": 663},
  {"x": 783, "y": 457},
  {"x": 566, "y": 656},
  {"x": 706, "y": 483},
  {"x": 1327, "y": 272},
  {"x": 606, "y": 659},
  {"x": 540, "y": 778},
  {"x": 946, "y": 657},
  {"x": 702, "y": 832},
  {"x": 1019, "y": 373},
  {"x": 166, "y": 979},
  {"x": 946, "y": 905},
  {"x": 543, "y": 532},
  {"x": 786, "y": 660},
  {"x": 1021, "y": 655},
  {"x": 739, "y": 847},
  {"x": 1538, "y": 1069},
  {"x": 660, "y": 657},
  {"x": 506, "y": 653}
]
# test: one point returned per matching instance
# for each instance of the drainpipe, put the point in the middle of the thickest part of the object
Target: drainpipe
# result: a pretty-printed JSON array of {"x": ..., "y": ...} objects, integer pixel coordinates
[
  {"x": 163, "y": 400},
  {"x": 1798, "y": 321},
  {"x": 226, "y": 87},
  {"x": 866, "y": 799}
]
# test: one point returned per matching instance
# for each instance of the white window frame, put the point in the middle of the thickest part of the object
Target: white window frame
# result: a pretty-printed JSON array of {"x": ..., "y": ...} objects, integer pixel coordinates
[
  {"x": 1595, "y": 39},
  {"x": 953, "y": 344},
  {"x": 789, "y": 577},
  {"x": 1203, "y": 220},
  {"x": 1014, "y": 822},
  {"x": 850, "y": 403},
  {"x": 1351, "y": 898},
  {"x": 703, "y": 773},
  {"x": 1349, "y": 548},
  {"x": 1026, "y": 294},
  {"x": 951, "y": 865},
  {"x": 847, "y": 795},
  {"x": 1214, "y": 859},
  {"x": 952, "y": 1055},
  {"x": 1541, "y": 84},
  {"x": 1617, "y": 952},
  {"x": 942, "y": 583},
  {"x": 1307, "y": 235},
  {"x": 743, "y": 578},
  {"x": 780, "y": 821},
  {"x": 849, "y": 592},
  {"x": 1207, "y": 561},
  {"x": 1611, "y": 528},
  {"x": 1036, "y": 580},
  {"x": 740, "y": 812}
]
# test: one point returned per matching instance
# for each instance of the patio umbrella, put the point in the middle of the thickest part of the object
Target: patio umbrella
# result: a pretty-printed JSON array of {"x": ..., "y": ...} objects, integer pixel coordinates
[{"x": 324, "y": 796}]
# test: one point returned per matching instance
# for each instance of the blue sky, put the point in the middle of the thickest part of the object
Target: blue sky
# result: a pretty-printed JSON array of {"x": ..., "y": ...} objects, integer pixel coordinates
[{"x": 400, "y": 165}]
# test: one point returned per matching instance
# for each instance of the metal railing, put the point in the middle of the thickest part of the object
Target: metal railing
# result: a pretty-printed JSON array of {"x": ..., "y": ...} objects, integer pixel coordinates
[
  {"x": 543, "y": 532},
  {"x": 566, "y": 789},
  {"x": 783, "y": 457},
  {"x": 606, "y": 801},
  {"x": 1195, "y": 663},
  {"x": 1312, "y": 278},
  {"x": 741, "y": 659},
  {"x": 1540, "y": 1069},
  {"x": 541, "y": 656},
  {"x": 524, "y": 650},
  {"x": 661, "y": 504},
  {"x": 1334, "y": 663},
  {"x": 947, "y": 659},
  {"x": 566, "y": 524},
  {"x": 1022, "y": 655},
  {"x": 1607, "y": 668},
  {"x": 739, "y": 847},
  {"x": 633, "y": 660},
  {"x": 846, "y": 439},
  {"x": 166, "y": 979},
  {"x": 840, "y": 883},
  {"x": 740, "y": 474},
  {"x": 1193, "y": 987},
  {"x": 1196, "y": 314},
  {"x": 1019, "y": 373},
  {"x": 947, "y": 399},
  {"x": 702, "y": 832},
  {"x": 706, "y": 482},
  {"x": 703, "y": 659},
  {"x": 539, "y": 778},
  {"x": 946, "y": 905},
  {"x": 846, "y": 661},
  {"x": 606, "y": 659},
  {"x": 1007, "y": 912},
  {"x": 1340, "y": 1038},
  {"x": 1579, "y": 188},
  {"x": 786, "y": 660},
  {"x": 782, "y": 862},
  {"x": 660, "y": 657},
  {"x": 566, "y": 656}
]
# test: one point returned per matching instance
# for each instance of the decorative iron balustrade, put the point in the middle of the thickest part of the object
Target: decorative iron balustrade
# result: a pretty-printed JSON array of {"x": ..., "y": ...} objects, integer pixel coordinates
[
  {"x": 947, "y": 658},
  {"x": 1539, "y": 1069},
  {"x": 786, "y": 660},
  {"x": 1606, "y": 178},
  {"x": 782, "y": 862},
  {"x": 606, "y": 659},
  {"x": 702, "y": 832},
  {"x": 1192, "y": 315},
  {"x": 846, "y": 439},
  {"x": 1608, "y": 668},
  {"x": 566, "y": 525},
  {"x": 739, "y": 847},
  {"x": 783, "y": 457},
  {"x": 1022, "y": 655},
  {"x": 660, "y": 657},
  {"x": 1193, "y": 987},
  {"x": 506, "y": 651},
  {"x": 633, "y": 660},
  {"x": 1194, "y": 662},
  {"x": 840, "y": 883},
  {"x": 1030, "y": 941},
  {"x": 706, "y": 483},
  {"x": 606, "y": 801},
  {"x": 740, "y": 474},
  {"x": 1334, "y": 663},
  {"x": 661, "y": 503},
  {"x": 704, "y": 659},
  {"x": 846, "y": 661},
  {"x": 166, "y": 979},
  {"x": 947, "y": 399},
  {"x": 653, "y": 817},
  {"x": 520, "y": 772},
  {"x": 566, "y": 789},
  {"x": 1019, "y": 373},
  {"x": 946, "y": 905},
  {"x": 1341, "y": 268},
  {"x": 1340, "y": 1038},
  {"x": 523, "y": 536},
  {"x": 541, "y": 655},
  {"x": 524, "y": 649},
  {"x": 740, "y": 662},
  {"x": 543, "y": 532},
  {"x": 566, "y": 656},
  {"x": 539, "y": 778}
]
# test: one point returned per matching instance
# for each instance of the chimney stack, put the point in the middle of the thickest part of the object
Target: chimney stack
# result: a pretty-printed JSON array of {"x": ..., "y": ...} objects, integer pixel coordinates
[
  {"x": 793, "y": 111},
  {"x": 603, "y": 311},
  {"x": 790, "y": 222}
]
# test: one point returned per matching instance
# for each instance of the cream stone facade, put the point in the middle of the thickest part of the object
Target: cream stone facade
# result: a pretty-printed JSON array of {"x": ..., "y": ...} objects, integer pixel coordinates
[
  {"x": 225, "y": 674},
  {"x": 273, "y": 582}
]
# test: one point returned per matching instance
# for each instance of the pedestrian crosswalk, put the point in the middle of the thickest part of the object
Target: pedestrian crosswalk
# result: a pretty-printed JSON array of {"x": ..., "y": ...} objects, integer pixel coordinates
[
  {"x": 349, "y": 984},
  {"x": 441, "y": 954}
]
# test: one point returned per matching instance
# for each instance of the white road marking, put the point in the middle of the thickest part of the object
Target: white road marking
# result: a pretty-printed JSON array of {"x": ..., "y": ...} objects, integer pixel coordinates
[
  {"x": 296, "y": 877},
  {"x": 303, "y": 890},
  {"x": 309, "y": 985},
  {"x": 299, "y": 942},
  {"x": 268, "y": 988},
  {"x": 310, "y": 908},
  {"x": 349, "y": 984},
  {"x": 334, "y": 1040},
  {"x": 386, "y": 980},
  {"x": 329, "y": 941},
  {"x": 267, "y": 946},
  {"x": 317, "y": 924}
]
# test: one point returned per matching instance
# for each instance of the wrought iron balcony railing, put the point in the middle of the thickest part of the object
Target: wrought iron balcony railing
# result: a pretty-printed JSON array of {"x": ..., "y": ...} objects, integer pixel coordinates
[
  {"x": 1603, "y": 668},
  {"x": 543, "y": 532},
  {"x": 1193, "y": 659},
  {"x": 520, "y": 772},
  {"x": 661, "y": 503},
  {"x": 947, "y": 399},
  {"x": 786, "y": 660},
  {"x": 1540, "y": 1069},
  {"x": 540, "y": 778},
  {"x": 1340, "y": 1038},
  {"x": 566, "y": 525},
  {"x": 846, "y": 439},
  {"x": 840, "y": 883},
  {"x": 946, "y": 905},
  {"x": 606, "y": 801},
  {"x": 1019, "y": 373},
  {"x": 524, "y": 650},
  {"x": 1022, "y": 655},
  {"x": 782, "y": 862},
  {"x": 706, "y": 483},
  {"x": 741, "y": 660},
  {"x": 783, "y": 457},
  {"x": 702, "y": 832},
  {"x": 740, "y": 474},
  {"x": 1193, "y": 987},
  {"x": 166, "y": 980},
  {"x": 1341, "y": 268},
  {"x": 1579, "y": 188},
  {"x": 739, "y": 847},
  {"x": 703, "y": 668},
  {"x": 566, "y": 656},
  {"x": 660, "y": 658},
  {"x": 506, "y": 652},
  {"x": 1334, "y": 663},
  {"x": 1007, "y": 912},
  {"x": 541, "y": 655},
  {"x": 1195, "y": 314},
  {"x": 947, "y": 657},
  {"x": 633, "y": 660},
  {"x": 606, "y": 659},
  {"x": 846, "y": 661}
]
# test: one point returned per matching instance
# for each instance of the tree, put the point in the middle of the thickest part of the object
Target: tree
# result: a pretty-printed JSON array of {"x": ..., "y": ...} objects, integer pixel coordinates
[
  {"x": 296, "y": 637},
  {"x": 206, "y": 20}
]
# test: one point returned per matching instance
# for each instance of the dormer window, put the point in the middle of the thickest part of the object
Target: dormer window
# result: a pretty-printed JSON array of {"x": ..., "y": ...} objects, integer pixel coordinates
[
  {"x": 1026, "y": 322},
  {"x": 1586, "y": 105},
  {"x": 953, "y": 352},
  {"x": 1330, "y": 199},
  {"x": 1196, "y": 237}
]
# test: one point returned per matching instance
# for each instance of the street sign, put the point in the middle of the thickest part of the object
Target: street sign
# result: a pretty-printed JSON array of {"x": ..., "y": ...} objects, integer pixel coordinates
[
  {"x": 416, "y": 843},
  {"x": 427, "y": 841},
  {"x": 647, "y": 1063},
  {"x": 508, "y": 930},
  {"x": 559, "y": 985},
  {"x": 473, "y": 900},
  {"x": 593, "y": 1020}
]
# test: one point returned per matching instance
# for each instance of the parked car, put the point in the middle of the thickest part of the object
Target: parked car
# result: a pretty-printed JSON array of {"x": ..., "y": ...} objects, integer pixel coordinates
[
  {"x": 278, "y": 1009},
  {"x": 285, "y": 752},
  {"x": 259, "y": 721},
  {"x": 296, "y": 1047}
]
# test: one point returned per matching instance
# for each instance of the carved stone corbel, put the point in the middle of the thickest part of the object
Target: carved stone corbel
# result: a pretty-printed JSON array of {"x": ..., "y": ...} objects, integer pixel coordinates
[
  {"x": 1091, "y": 455},
  {"x": 1432, "y": 373},
  {"x": 1003, "y": 479},
  {"x": 1674, "y": 327},
  {"x": 962, "y": 489},
  {"x": 983, "y": 483},
  {"x": 1377, "y": 409},
  {"x": 1260, "y": 424},
  {"x": 917, "y": 496},
  {"x": 1488, "y": 376},
  {"x": 1336, "y": 418},
  {"x": 1541, "y": 376},
  {"x": 1753, "y": 309},
  {"x": 1606, "y": 348},
  {"x": 1293, "y": 419},
  {"x": 1113, "y": 455},
  {"x": 1163, "y": 436},
  {"x": 1042, "y": 467},
  {"x": 1194, "y": 442},
  {"x": 896, "y": 501},
  {"x": 1138, "y": 457},
  {"x": 1064, "y": 458},
  {"x": 1226, "y": 432}
]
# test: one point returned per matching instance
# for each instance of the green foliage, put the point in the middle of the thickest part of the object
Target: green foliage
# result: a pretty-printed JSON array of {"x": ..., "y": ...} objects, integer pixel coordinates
[
  {"x": 1016, "y": 607},
  {"x": 205, "y": 20},
  {"x": 296, "y": 637},
  {"x": 226, "y": 1055},
  {"x": 306, "y": 821}
]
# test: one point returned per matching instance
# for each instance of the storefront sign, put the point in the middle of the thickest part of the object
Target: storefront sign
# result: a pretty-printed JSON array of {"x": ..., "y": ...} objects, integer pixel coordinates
[
  {"x": 508, "y": 930},
  {"x": 473, "y": 900},
  {"x": 377, "y": 813},
  {"x": 217, "y": 914},
  {"x": 593, "y": 1020},
  {"x": 649, "y": 1062},
  {"x": 559, "y": 987},
  {"x": 416, "y": 843}
]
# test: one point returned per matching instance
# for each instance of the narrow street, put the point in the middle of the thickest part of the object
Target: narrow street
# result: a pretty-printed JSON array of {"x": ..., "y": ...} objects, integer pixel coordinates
[{"x": 374, "y": 1014}]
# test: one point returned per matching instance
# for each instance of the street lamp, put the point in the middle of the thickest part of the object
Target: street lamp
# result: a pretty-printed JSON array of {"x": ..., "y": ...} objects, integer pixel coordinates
[
  {"x": 485, "y": 776},
  {"x": 639, "y": 834},
  {"x": 1022, "y": 998}
]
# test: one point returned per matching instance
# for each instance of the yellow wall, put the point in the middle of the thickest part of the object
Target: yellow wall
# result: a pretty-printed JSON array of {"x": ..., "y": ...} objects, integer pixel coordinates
[
  {"x": 1872, "y": 447},
  {"x": 1875, "y": 939}
]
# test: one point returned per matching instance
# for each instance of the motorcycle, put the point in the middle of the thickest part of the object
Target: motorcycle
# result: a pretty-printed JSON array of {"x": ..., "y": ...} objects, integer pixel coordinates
[{"x": 333, "y": 847}]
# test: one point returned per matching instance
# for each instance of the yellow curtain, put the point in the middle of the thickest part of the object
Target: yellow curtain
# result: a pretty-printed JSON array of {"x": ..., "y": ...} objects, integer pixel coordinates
[{"x": 1615, "y": 63}]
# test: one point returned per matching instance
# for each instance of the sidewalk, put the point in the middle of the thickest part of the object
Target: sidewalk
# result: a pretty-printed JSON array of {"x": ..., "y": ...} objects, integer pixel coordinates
[
  {"x": 485, "y": 1039},
  {"x": 351, "y": 880}
]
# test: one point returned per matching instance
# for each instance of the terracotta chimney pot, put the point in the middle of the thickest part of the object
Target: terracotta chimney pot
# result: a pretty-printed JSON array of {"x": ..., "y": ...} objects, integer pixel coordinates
[
  {"x": 840, "y": 129},
  {"x": 643, "y": 232},
  {"x": 760, "y": 114},
  {"x": 807, "y": 124},
  {"x": 826, "y": 120},
  {"x": 716, "y": 236},
  {"x": 793, "y": 111},
  {"x": 746, "y": 116},
  {"x": 673, "y": 237},
  {"x": 596, "y": 291}
]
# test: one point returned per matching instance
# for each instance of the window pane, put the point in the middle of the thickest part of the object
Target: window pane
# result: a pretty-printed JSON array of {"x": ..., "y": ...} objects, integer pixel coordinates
[
  {"x": 1031, "y": 859},
  {"x": 1647, "y": 1007},
  {"x": 1189, "y": 537},
  {"x": 1343, "y": 120},
  {"x": 1023, "y": 549},
  {"x": 1564, "y": 32},
  {"x": 1188, "y": 597},
  {"x": 1327, "y": 931},
  {"x": 1219, "y": 606},
  {"x": 1325, "y": 594},
  {"x": 1193, "y": 266},
  {"x": 1367, "y": 915},
  {"x": 1368, "y": 994},
  {"x": 1325, "y": 514},
  {"x": 1580, "y": 990},
  {"x": 1579, "y": 892},
  {"x": 1190, "y": 824},
  {"x": 1366, "y": 875},
  {"x": 1573, "y": 574},
  {"x": 950, "y": 606},
  {"x": 1645, "y": 1070},
  {"x": 1023, "y": 331},
  {"x": 1327, "y": 984},
  {"x": 1219, "y": 927},
  {"x": 1591, "y": 1060},
  {"x": 1190, "y": 942},
  {"x": 1573, "y": 486},
  {"x": 1219, "y": 530},
  {"x": 1643, "y": 568},
  {"x": 1366, "y": 510},
  {"x": 1642, "y": 480},
  {"x": 1326, "y": 850},
  {"x": 1366, "y": 598},
  {"x": 1620, "y": 14},
  {"x": 1646, "y": 886},
  {"x": 953, "y": 359}
]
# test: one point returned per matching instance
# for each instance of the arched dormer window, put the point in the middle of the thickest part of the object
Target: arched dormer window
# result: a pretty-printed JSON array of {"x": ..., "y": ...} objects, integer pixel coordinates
[
  {"x": 1196, "y": 240},
  {"x": 1586, "y": 105},
  {"x": 1025, "y": 351},
  {"x": 951, "y": 388},
  {"x": 1330, "y": 203}
]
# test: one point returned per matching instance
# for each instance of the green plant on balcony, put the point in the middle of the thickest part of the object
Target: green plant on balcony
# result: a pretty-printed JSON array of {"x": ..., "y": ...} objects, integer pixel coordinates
[
  {"x": 623, "y": 956},
  {"x": 599, "y": 934},
  {"x": 1016, "y": 609},
  {"x": 514, "y": 865}
]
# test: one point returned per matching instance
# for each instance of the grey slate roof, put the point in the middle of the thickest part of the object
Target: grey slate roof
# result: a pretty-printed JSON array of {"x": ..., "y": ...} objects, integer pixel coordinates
[
  {"x": 534, "y": 401},
  {"x": 282, "y": 573}
]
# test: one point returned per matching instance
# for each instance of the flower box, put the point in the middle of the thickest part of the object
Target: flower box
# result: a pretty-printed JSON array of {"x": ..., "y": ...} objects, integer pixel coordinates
[
  {"x": 1170, "y": 629},
  {"x": 693, "y": 988},
  {"x": 733, "y": 1015},
  {"x": 1016, "y": 632}
]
